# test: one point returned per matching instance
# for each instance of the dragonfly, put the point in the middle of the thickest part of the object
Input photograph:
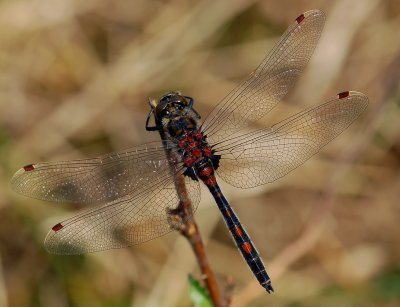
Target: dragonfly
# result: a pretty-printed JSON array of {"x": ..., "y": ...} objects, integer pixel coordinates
[{"x": 132, "y": 192}]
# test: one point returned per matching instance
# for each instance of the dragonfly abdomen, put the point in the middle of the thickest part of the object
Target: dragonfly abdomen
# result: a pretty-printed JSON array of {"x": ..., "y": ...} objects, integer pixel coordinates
[{"x": 241, "y": 238}]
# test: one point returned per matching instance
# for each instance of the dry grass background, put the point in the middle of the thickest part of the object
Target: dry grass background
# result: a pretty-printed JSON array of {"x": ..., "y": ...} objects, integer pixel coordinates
[{"x": 74, "y": 81}]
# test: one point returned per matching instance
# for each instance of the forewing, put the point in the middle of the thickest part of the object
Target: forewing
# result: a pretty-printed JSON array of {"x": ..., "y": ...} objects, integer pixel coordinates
[
  {"x": 97, "y": 180},
  {"x": 128, "y": 221},
  {"x": 270, "y": 82},
  {"x": 263, "y": 156}
]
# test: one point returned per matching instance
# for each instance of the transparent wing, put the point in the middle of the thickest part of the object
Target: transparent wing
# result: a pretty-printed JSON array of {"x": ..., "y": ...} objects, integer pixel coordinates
[
  {"x": 128, "y": 221},
  {"x": 265, "y": 155},
  {"x": 270, "y": 82},
  {"x": 98, "y": 180}
]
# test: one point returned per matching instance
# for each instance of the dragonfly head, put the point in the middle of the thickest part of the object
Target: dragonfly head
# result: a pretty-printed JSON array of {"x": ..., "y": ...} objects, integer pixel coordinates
[
  {"x": 173, "y": 104},
  {"x": 169, "y": 106}
]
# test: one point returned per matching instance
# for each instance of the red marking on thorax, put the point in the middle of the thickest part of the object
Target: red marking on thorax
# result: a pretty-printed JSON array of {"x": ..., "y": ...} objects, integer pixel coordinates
[
  {"x": 246, "y": 246},
  {"x": 194, "y": 145},
  {"x": 182, "y": 143},
  {"x": 189, "y": 137},
  {"x": 343, "y": 95},
  {"x": 189, "y": 161},
  {"x": 300, "y": 18},
  {"x": 57, "y": 227},
  {"x": 238, "y": 231},
  {"x": 28, "y": 168},
  {"x": 198, "y": 136},
  {"x": 207, "y": 151},
  {"x": 195, "y": 148},
  {"x": 196, "y": 152}
]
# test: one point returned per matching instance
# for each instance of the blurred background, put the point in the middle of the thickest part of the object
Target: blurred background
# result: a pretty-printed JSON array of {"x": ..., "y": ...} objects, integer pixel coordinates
[{"x": 75, "y": 77}]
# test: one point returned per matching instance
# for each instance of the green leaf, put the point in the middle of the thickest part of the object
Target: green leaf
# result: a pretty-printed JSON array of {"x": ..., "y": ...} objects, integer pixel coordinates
[{"x": 198, "y": 294}]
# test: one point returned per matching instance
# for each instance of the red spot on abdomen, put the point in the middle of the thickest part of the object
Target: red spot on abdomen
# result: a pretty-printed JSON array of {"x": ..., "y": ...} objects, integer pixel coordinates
[
  {"x": 343, "y": 95},
  {"x": 211, "y": 181},
  {"x": 205, "y": 172},
  {"x": 246, "y": 246},
  {"x": 300, "y": 18},
  {"x": 28, "y": 168},
  {"x": 228, "y": 213},
  {"x": 238, "y": 231},
  {"x": 57, "y": 227},
  {"x": 207, "y": 176}
]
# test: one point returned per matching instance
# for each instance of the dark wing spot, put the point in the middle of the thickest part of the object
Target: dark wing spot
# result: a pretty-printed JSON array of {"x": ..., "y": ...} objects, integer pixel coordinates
[
  {"x": 343, "y": 95},
  {"x": 57, "y": 227},
  {"x": 300, "y": 18},
  {"x": 29, "y": 167}
]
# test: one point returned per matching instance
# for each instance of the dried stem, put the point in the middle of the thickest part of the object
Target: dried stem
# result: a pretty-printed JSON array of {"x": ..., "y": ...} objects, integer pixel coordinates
[{"x": 189, "y": 229}]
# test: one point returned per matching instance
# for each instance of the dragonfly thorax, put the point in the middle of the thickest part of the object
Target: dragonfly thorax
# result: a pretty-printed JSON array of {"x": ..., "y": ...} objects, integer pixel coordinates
[
  {"x": 178, "y": 122},
  {"x": 198, "y": 156}
]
